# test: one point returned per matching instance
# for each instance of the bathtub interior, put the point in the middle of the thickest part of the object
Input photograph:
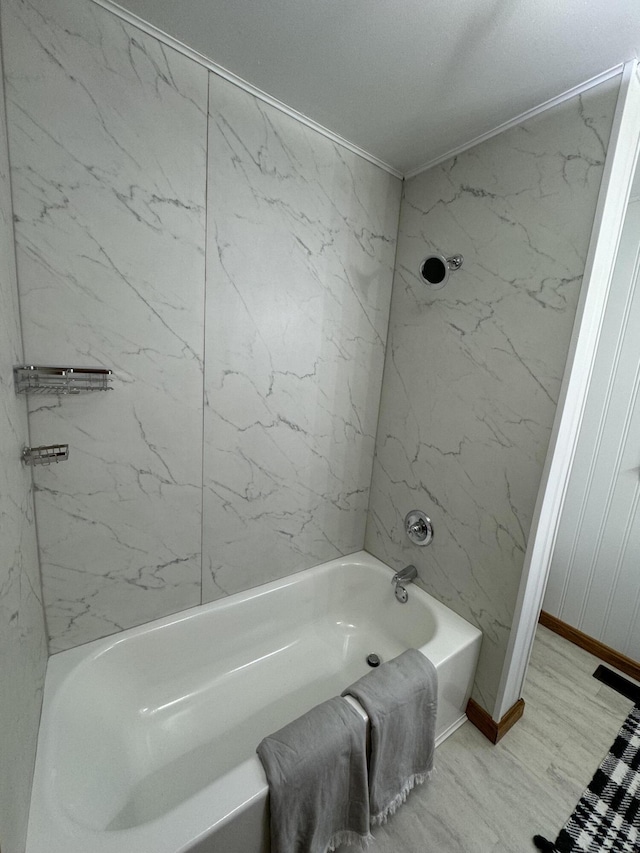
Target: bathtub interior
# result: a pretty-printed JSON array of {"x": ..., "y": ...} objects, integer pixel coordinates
[
  {"x": 143, "y": 723},
  {"x": 175, "y": 713}
]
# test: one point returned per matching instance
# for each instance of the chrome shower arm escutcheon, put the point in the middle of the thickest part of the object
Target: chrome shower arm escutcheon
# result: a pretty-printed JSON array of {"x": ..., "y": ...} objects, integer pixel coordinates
[{"x": 418, "y": 527}]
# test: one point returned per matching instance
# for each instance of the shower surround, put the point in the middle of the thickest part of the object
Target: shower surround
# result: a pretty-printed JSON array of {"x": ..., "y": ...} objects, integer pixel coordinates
[
  {"x": 473, "y": 371},
  {"x": 235, "y": 273},
  {"x": 234, "y": 268}
]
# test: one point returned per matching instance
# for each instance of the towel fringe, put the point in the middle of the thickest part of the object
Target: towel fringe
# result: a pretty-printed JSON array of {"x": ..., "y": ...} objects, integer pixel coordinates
[
  {"x": 383, "y": 816},
  {"x": 350, "y": 838}
]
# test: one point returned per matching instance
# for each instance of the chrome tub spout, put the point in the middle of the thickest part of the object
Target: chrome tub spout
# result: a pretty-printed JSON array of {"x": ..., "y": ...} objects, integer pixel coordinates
[{"x": 405, "y": 576}]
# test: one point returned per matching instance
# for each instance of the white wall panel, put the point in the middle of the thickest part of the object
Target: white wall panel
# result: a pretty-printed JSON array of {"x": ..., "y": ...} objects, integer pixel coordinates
[
  {"x": 594, "y": 583},
  {"x": 301, "y": 246},
  {"x": 108, "y": 149}
]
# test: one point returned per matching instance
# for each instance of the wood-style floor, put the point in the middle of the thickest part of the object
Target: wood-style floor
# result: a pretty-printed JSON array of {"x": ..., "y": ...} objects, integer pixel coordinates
[{"x": 494, "y": 799}]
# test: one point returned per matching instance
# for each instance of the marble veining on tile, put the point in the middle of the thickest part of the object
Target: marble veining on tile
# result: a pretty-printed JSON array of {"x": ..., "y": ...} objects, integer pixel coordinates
[
  {"x": 301, "y": 248},
  {"x": 473, "y": 371},
  {"x": 108, "y": 147},
  {"x": 109, "y": 132}
]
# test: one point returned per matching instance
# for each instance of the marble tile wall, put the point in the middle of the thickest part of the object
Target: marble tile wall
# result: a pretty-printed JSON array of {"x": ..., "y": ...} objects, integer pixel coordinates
[
  {"x": 301, "y": 246},
  {"x": 108, "y": 133},
  {"x": 108, "y": 149},
  {"x": 473, "y": 371},
  {"x": 236, "y": 446},
  {"x": 23, "y": 643}
]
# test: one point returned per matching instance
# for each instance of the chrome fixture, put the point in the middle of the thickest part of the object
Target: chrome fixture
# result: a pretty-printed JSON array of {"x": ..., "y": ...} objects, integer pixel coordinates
[
  {"x": 405, "y": 576},
  {"x": 418, "y": 527},
  {"x": 435, "y": 268},
  {"x": 373, "y": 659},
  {"x": 46, "y": 454},
  {"x": 60, "y": 380}
]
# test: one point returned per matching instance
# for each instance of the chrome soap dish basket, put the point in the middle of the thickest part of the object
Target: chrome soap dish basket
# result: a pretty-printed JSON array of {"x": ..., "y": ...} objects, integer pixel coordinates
[{"x": 61, "y": 380}]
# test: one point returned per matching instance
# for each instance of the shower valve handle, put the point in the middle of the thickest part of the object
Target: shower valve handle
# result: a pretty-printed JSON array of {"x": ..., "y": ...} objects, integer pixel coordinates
[{"x": 418, "y": 527}]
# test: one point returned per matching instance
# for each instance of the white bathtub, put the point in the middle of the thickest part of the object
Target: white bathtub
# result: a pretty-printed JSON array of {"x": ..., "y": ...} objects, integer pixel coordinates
[{"x": 147, "y": 741}]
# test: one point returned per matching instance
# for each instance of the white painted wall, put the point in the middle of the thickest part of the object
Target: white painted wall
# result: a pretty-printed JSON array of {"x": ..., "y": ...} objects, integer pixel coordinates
[{"x": 594, "y": 581}]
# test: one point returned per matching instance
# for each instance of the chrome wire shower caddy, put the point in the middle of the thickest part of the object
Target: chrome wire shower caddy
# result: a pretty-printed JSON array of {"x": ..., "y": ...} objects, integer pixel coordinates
[
  {"x": 46, "y": 454},
  {"x": 61, "y": 380}
]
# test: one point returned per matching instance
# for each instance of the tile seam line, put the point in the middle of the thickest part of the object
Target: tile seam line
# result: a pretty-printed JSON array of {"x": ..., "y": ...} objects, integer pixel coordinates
[{"x": 207, "y": 131}]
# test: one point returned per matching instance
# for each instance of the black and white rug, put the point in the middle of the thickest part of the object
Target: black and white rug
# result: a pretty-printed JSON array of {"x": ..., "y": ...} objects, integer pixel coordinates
[{"x": 607, "y": 818}]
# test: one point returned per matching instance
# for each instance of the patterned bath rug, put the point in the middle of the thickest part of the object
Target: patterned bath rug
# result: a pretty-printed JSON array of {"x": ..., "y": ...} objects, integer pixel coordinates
[{"x": 607, "y": 817}]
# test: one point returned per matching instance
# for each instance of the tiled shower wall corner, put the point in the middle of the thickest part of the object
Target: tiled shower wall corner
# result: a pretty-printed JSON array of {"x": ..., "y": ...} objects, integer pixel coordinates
[
  {"x": 473, "y": 371},
  {"x": 246, "y": 316},
  {"x": 107, "y": 134},
  {"x": 23, "y": 642}
]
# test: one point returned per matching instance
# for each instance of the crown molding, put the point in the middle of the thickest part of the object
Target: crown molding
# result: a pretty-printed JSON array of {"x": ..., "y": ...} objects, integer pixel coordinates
[
  {"x": 185, "y": 50},
  {"x": 514, "y": 122}
]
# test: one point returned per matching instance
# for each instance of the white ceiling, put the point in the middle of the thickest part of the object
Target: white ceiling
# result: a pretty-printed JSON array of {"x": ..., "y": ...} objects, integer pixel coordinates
[{"x": 406, "y": 80}]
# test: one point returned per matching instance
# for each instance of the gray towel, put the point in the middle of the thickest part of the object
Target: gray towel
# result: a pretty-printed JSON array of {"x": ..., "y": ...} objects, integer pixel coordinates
[
  {"x": 400, "y": 698},
  {"x": 317, "y": 773}
]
